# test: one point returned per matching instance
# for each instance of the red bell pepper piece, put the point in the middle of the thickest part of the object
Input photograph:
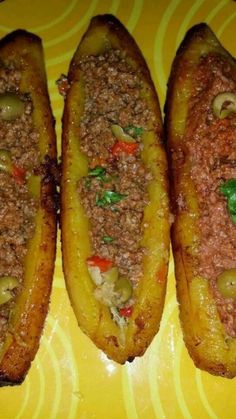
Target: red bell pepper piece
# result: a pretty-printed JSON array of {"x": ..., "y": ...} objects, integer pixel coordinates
[
  {"x": 122, "y": 146},
  {"x": 19, "y": 174},
  {"x": 102, "y": 263},
  {"x": 126, "y": 311}
]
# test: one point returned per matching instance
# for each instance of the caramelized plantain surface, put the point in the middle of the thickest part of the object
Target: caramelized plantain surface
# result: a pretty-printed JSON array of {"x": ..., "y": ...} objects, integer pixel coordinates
[
  {"x": 27, "y": 317},
  {"x": 94, "y": 318},
  {"x": 208, "y": 343}
]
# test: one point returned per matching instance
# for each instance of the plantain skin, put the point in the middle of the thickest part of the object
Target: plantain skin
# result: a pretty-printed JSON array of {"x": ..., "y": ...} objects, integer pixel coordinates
[
  {"x": 94, "y": 318},
  {"x": 207, "y": 342},
  {"x": 31, "y": 307}
]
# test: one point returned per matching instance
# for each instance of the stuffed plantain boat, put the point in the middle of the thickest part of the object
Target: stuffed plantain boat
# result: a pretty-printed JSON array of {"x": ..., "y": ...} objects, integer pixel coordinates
[
  {"x": 114, "y": 192},
  {"x": 201, "y": 133},
  {"x": 27, "y": 207}
]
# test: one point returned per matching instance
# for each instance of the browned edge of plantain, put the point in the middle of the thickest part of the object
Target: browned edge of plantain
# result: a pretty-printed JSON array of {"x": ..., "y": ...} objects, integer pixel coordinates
[
  {"x": 31, "y": 306},
  {"x": 94, "y": 318},
  {"x": 207, "y": 342}
]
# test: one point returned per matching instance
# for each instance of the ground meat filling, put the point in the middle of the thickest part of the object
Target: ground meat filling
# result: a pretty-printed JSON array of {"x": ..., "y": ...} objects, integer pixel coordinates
[
  {"x": 19, "y": 142},
  {"x": 211, "y": 142},
  {"x": 113, "y": 97}
]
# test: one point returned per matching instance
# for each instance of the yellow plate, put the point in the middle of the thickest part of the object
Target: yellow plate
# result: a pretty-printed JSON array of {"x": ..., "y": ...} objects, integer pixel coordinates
[{"x": 69, "y": 377}]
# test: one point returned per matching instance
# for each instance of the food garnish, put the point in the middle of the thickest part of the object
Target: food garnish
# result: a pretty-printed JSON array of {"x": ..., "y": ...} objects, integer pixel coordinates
[
  {"x": 224, "y": 104},
  {"x": 109, "y": 198},
  {"x": 226, "y": 283},
  {"x": 228, "y": 189}
]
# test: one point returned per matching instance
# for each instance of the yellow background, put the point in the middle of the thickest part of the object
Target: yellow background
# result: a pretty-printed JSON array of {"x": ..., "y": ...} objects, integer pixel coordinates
[{"x": 69, "y": 377}]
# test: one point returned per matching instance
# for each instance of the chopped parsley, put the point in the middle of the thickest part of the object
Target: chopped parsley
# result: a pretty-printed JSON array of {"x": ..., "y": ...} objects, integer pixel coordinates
[
  {"x": 98, "y": 172},
  {"x": 107, "y": 239},
  {"x": 228, "y": 189},
  {"x": 133, "y": 130},
  {"x": 109, "y": 198}
]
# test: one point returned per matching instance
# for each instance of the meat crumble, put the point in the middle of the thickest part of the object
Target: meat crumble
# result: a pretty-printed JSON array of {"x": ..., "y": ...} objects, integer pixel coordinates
[
  {"x": 113, "y": 99},
  {"x": 19, "y": 145},
  {"x": 211, "y": 143}
]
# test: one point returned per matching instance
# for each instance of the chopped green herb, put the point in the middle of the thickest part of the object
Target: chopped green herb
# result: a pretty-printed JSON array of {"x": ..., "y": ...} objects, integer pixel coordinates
[
  {"x": 228, "y": 189},
  {"x": 233, "y": 216},
  {"x": 134, "y": 131},
  {"x": 107, "y": 239},
  {"x": 108, "y": 198},
  {"x": 98, "y": 172}
]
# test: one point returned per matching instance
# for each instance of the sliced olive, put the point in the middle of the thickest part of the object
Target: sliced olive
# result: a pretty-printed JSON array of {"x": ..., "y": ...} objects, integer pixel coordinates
[
  {"x": 5, "y": 161},
  {"x": 111, "y": 275},
  {"x": 224, "y": 104},
  {"x": 33, "y": 184},
  {"x": 119, "y": 133},
  {"x": 7, "y": 283},
  {"x": 124, "y": 288},
  {"x": 226, "y": 283},
  {"x": 11, "y": 106}
]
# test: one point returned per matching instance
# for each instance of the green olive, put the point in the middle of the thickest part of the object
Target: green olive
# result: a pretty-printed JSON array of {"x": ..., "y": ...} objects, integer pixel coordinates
[
  {"x": 119, "y": 133},
  {"x": 33, "y": 184},
  {"x": 5, "y": 161},
  {"x": 11, "y": 106},
  {"x": 224, "y": 104},
  {"x": 124, "y": 288},
  {"x": 111, "y": 275},
  {"x": 226, "y": 283},
  {"x": 7, "y": 283}
]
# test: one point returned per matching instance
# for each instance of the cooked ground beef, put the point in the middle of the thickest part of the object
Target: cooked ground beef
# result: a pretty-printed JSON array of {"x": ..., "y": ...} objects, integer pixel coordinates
[
  {"x": 211, "y": 142},
  {"x": 113, "y": 96},
  {"x": 17, "y": 208}
]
